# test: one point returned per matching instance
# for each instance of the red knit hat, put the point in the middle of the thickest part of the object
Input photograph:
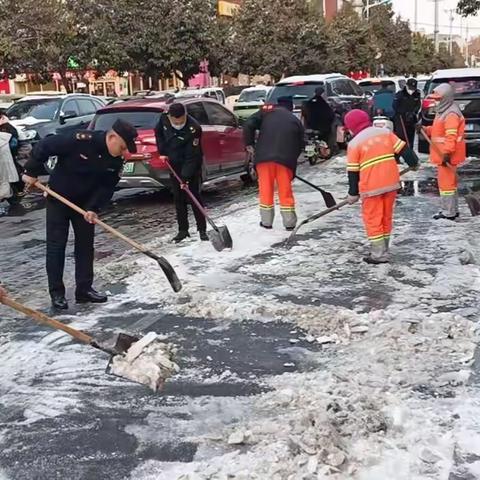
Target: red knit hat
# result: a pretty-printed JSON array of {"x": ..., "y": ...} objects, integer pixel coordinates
[{"x": 357, "y": 120}]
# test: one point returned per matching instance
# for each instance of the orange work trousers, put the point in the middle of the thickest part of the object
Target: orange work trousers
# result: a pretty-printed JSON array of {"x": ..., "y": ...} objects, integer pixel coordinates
[
  {"x": 377, "y": 214},
  {"x": 269, "y": 174}
]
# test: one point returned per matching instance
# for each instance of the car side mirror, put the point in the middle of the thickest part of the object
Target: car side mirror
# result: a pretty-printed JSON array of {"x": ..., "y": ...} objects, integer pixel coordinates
[
  {"x": 67, "y": 115},
  {"x": 369, "y": 94}
]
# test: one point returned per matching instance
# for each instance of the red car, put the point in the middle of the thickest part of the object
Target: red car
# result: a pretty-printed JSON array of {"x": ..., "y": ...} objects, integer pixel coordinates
[{"x": 222, "y": 140}]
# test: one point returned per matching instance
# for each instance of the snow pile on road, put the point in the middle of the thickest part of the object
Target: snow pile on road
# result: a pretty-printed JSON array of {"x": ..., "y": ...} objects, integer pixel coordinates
[{"x": 392, "y": 398}]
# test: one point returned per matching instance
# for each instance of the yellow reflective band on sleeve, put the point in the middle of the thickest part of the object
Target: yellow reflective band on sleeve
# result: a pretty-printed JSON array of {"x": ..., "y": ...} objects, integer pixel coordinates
[
  {"x": 451, "y": 131},
  {"x": 399, "y": 146},
  {"x": 353, "y": 167}
]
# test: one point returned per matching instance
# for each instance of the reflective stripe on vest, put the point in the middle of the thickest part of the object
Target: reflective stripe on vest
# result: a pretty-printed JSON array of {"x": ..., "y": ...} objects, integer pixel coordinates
[{"x": 442, "y": 139}]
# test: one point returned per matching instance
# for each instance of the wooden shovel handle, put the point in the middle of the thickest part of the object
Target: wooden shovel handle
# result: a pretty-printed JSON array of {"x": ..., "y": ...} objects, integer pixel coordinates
[
  {"x": 81, "y": 211},
  {"x": 42, "y": 318}
]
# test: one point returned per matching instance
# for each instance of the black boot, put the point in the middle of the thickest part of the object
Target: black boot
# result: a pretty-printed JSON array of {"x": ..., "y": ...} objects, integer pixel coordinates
[
  {"x": 90, "y": 296},
  {"x": 59, "y": 302},
  {"x": 267, "y": 227},
  {"x": 180, "y": 237},
  {"x": 441, "y": 216},
  {"x": 373, "y": 261},
  {"x": 203, "y": 236}
]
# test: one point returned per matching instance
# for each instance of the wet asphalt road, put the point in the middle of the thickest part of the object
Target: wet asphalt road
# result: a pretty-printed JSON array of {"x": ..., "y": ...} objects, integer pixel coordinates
[
  {"x": 96, "y": 436},
  {"x": 90, "y": 439}
]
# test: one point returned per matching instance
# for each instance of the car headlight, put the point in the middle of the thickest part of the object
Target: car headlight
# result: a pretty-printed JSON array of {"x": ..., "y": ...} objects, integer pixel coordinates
[{"x": 29, "y": 134}]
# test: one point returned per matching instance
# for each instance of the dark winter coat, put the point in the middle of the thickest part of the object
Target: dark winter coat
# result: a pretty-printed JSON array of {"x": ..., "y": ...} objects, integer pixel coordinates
[
  {"x": 383, "y": 100},
  {"x": 318, "y": 116},
  {"x": 182, "y": 147},
  {"x": 280, "y": 139},
  {"x": 408, "y": 105},
  {"x": 85, "y": 172}
]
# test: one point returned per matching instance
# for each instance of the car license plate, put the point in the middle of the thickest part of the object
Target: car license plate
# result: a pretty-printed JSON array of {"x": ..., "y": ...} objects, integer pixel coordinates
[
  {"x": 128, "y": 167},
  {"x": 470, "y": 127}
]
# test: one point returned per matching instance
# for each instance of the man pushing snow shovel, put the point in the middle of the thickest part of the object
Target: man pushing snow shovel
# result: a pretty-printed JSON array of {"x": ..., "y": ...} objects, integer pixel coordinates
[{"x": 373, "y": 176}]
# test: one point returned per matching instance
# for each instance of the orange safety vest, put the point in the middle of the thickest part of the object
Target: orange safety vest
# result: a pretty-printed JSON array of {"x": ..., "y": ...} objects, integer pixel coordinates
[
  {"x": 372, "y": 153},
  {"x": 448, "y": 134}
]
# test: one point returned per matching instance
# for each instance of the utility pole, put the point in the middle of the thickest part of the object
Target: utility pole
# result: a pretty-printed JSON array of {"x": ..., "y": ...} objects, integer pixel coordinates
[
  {"x": 436, "y": 31},
  {"x": 451, "y": 18},
  {"x": 415, "y": 28},
  {"x": 467, "y": 60}
]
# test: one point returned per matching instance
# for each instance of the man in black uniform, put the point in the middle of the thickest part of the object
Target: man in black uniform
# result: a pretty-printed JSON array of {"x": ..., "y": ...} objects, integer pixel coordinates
[
  {"x": 179, "y": 138},
  {"x": 407, "y": 106},
  {"x": 86, "y": 172}
]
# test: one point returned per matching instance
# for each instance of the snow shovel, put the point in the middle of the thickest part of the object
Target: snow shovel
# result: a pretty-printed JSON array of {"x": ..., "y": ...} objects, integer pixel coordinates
[
  {"x": 338, "y": 206},
  {"x": 168, "y": 270},
  {"x": 219, "y": 237},
  {"x": 327, "y": 196},
  {"x": 472, "y": 201},
  {"x": 142, "y": 360}
]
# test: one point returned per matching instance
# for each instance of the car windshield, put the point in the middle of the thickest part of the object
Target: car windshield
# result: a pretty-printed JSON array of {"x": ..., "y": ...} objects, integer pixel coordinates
[
  {"x": 299, "y": 92},
  {"x": 45, "y": 109},
  {"x": 462, "y": 86},
  {"x": 252, "y": 96},
  {"x": 375, "y": 86},
  {"x": 141, "y": 119}
]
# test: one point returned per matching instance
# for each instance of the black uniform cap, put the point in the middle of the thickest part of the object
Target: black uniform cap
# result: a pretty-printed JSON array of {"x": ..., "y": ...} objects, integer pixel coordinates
[
  {"x": 412, "y": 83},
  {"x": 177, "y": 110},
  {"x": 127, "y": 132}
]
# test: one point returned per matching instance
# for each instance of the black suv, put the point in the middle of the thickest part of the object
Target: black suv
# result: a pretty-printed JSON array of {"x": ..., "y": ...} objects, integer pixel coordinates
[
  {"x": 37, "y": 116},
  {"x": 466, "y": 82},
  {"x": 342, "y": 93}
]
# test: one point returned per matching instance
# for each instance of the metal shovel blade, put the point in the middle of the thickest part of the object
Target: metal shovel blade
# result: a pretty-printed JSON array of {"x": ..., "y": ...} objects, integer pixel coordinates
[{"x": 220, "y": 238}]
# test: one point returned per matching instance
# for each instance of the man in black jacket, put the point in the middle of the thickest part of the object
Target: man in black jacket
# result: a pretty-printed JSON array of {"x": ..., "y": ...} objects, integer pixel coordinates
[
  {"x": 87, "y": 169},
  {"x": 407, "y": 105},
  {"x": 179, "y": 138},
  {"x": 280, "y": 143}
]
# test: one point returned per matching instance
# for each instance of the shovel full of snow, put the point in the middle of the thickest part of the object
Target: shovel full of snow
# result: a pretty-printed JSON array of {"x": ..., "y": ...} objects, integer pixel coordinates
[{"x": 144, "y": 360}]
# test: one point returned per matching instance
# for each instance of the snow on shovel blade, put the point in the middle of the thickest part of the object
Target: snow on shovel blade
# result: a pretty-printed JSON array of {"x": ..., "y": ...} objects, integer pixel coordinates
[
  {"x": 220, "y": 238},
  {"x": 147, "y": 361}
]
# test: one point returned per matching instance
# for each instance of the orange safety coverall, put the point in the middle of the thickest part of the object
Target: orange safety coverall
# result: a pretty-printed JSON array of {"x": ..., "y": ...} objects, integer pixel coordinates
[
  {"x": 269, "y": 174},
  {"x": 447, "y": 134},
  {"x": 372, "y": 154}
]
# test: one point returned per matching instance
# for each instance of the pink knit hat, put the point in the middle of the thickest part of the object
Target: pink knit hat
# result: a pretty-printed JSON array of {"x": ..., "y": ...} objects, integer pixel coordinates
[{"x": 357, "y": 120}]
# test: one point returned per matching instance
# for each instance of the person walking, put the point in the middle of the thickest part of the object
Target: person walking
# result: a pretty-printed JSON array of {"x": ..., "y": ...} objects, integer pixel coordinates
[
  {"x": 407, "y": 105},
  {"x": 383, "y": 101},
  {"x": 179, "y": 138},
  {"x": 448, "y": 136},
  {"x": 87, "y": 170},
  {"x": 280, "y": 142},
  {"x": 373, "y": 176}
]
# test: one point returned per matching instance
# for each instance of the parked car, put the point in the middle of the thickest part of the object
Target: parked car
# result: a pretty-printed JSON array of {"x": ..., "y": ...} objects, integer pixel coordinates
[
  {"x": 250, "y": 100},
  {"x": 37, "y": 116},
  {"x": 371, "y": 85},
  {"x": 466, "y": 82},
  {"x": 7, "y": 100},
  {"x": 222, "y": 140},
  {"x": 342, "y": 93},
  {"x": 211, "y": 92}
]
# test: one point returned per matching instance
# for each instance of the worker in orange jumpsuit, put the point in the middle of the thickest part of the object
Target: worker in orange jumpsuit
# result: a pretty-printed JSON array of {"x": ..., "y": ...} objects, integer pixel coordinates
[
  {"x": 447, "y": 134},
  {"x": 373, "y": 176},
  {"x": 279, "y": 144}
]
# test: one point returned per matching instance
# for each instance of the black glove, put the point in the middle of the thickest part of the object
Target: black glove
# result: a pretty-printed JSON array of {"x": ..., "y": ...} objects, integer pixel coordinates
[
  {"x": 446, "y": 159},
  {"x": 418, "y": 128}
]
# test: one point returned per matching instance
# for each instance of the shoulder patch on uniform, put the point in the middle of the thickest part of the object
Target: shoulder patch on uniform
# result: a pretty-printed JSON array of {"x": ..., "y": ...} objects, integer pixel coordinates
[
  {"x": 83, "y": 136},
  {"x": 192, "y": 129},
  {"x": 196, "y": 142}
]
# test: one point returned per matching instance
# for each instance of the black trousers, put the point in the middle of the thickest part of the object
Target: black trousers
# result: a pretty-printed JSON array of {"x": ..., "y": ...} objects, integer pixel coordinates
[
  {"x": 59, "y": 217},
  {"x": 182, "y": 200},
  {"x": 407, "y": 134}
]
